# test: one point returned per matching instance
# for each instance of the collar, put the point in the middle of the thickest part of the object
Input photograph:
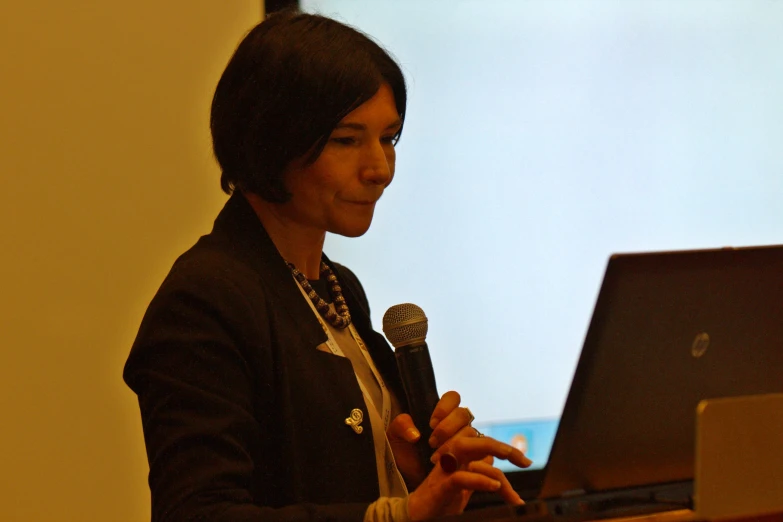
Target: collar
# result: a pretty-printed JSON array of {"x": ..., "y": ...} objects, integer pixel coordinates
[{"x": 238, "y": 225}]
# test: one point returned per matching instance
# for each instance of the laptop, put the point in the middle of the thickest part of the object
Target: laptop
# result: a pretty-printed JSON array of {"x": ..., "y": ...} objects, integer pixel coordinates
[
  {"x": 668, "y": 330},
  {"x": 739, "y": 457}
]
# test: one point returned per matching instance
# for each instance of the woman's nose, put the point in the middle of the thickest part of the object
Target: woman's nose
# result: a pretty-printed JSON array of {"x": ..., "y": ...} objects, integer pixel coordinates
[{"x": 379, "y": 167}]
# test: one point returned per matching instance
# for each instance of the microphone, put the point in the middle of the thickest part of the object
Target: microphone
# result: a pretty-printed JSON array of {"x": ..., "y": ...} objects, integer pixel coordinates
[{"x": 405, "y": 326}]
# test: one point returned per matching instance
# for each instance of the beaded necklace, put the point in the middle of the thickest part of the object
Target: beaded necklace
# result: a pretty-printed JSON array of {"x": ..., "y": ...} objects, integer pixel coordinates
[{"x": 340, "y": 317}]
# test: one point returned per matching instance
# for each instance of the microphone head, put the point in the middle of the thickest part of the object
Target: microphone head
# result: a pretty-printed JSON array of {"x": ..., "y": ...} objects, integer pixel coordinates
[{"x": 405, "y": 324}]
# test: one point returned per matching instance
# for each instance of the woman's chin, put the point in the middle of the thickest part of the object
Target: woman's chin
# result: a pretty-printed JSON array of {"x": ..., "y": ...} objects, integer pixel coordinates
[{"x": 351, "y": 229}]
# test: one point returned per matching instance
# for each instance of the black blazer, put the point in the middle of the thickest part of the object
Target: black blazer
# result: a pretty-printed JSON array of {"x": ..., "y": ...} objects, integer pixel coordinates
[{"x": 244, "y": 419}]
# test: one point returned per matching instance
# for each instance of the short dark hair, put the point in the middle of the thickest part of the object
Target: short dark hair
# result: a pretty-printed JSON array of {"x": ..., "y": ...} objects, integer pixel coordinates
[{"x": 288, "y": 84}]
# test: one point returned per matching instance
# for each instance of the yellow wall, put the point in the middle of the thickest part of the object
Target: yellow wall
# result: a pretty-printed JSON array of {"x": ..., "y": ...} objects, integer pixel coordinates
[{"x": 106, "y": 175}]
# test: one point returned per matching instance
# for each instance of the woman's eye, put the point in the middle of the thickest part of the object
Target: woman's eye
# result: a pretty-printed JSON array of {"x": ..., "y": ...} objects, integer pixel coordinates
[
  {"x": 346, "y": 140},
  {"x": 390, "y": 140}
]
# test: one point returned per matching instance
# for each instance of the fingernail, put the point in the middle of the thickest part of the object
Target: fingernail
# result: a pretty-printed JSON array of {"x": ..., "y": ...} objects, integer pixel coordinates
[
  {"x": 449, "y": 463},
  {"x": 495, "y": 485},
  {"x": 434, "y": 458},
  {"x": 433, "y": 442},
  {"x": 412, "y": 434},
  {"x": 434, "y": 422},
  {"x": 527, "y": 462}
]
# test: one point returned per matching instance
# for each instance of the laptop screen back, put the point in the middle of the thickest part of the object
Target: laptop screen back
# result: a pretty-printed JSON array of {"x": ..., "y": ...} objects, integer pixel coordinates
[{"x": 668, "y": 330}]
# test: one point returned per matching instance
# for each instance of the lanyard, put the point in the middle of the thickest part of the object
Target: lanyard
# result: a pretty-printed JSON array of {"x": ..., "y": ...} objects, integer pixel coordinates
[{"x": 385, "y": 415}]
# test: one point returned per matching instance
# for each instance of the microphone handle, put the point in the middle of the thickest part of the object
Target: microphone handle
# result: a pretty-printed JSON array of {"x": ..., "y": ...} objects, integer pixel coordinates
[{"x": 418, "y": 379}]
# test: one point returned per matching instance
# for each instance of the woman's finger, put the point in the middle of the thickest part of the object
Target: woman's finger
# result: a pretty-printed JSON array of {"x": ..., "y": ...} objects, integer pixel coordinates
[
  {"x": 506, "y": 491},
  {"x": 401, "y": 428},
  {"x": 452, "y": 425},
  {"x": 447, "y": 494},
  {"x": 473, "y": 481},
  {"x": 467, "y": 449},
  {"x": 447, "y": 403},
  {"x": 448, "y": 460}
]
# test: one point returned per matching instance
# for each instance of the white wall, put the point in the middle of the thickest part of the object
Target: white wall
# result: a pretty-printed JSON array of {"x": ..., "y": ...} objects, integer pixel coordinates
[{"x": 106, "y": 176}]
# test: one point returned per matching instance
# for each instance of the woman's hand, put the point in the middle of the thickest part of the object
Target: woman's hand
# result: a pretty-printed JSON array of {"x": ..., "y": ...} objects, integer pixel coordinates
[
  {"x": 447, "y": 493},
  {"x": 466, "y": 464},
  {"x": 448, "y": 420}
]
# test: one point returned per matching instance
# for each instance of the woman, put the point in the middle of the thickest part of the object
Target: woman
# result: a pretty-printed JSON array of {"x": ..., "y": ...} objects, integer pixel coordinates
[{"x": 261, "y": 400}]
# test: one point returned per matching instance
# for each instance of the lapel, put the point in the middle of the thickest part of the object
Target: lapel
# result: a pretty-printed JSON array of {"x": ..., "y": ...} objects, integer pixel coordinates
[
  {"x": 380, "y": 351},
  {"x": 239, "y": 225}
]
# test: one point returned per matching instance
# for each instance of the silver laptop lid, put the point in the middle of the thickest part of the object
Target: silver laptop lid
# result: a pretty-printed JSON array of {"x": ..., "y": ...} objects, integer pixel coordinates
[{"x": 739, "y": 457}]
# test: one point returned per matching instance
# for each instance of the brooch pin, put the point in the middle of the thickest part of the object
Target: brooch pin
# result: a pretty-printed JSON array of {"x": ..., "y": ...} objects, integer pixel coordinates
[{"x": 355, "y": 420}]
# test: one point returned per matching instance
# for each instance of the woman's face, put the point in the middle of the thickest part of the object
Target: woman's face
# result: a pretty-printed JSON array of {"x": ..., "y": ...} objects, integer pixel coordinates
[{"x": 338, "y": 192}]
